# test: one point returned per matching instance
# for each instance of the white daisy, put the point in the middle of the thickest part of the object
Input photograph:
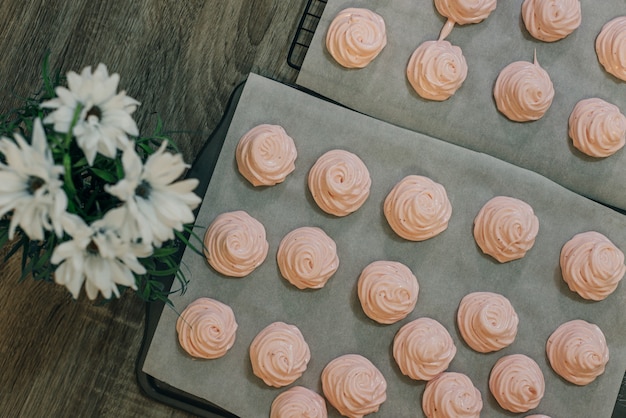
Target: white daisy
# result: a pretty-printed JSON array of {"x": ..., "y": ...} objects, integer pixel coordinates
[
  {"x": 157, "y": 203},
  {"x": 95, "y": 256},
  {"x": 30, "y": 185},
  {"x": 104, "y": 118}
]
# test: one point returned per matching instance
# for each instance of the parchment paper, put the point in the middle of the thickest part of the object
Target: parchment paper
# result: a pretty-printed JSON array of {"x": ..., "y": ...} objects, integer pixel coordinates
[
  {"x": 447, "y": 267},
  {"x": 470, "y": 118}
]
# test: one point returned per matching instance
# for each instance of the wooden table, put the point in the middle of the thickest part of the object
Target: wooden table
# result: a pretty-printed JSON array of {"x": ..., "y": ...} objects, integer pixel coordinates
[{"x": 181, "y": 59}]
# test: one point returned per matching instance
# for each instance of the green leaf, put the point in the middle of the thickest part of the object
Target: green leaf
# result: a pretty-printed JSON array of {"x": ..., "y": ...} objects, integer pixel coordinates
[
  {"x": 4, "y": 235},
  {"x": 15, "y": 248},
  {"x": 26, "y": 267},
  {"x": 46, "y": 254},
  {"x": 188, "y": 243},
  {"x": 164, "y": 251},
  {"x": 104, "y": 175},
  {"x": 164, "y": 272},
  {"x": 49, "y": 87}
]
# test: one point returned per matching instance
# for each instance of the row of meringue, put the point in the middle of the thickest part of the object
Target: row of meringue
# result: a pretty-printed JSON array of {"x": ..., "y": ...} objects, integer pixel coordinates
[
  {"x": 505, "y": 228},
  {"x": 418, "y": 208},
  {"x": 523, "y": 90},
  {"x": 577, "y": 351},
  {"x": 423, "y": 350},
  {"x": 339, "y": 181}
]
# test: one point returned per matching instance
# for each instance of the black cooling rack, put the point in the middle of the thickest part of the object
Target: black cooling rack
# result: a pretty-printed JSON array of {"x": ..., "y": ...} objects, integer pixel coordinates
[{"x": 304, "y": 33}]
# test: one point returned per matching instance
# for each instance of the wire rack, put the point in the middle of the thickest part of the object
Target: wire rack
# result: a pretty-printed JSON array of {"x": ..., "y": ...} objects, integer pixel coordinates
[{"x": 304, "y": 33}]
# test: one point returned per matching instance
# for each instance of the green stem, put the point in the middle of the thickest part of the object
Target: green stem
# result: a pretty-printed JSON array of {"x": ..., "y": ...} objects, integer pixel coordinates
[
  {"x": 67, "y": 159},
  {"x": 68, "y": 135}
]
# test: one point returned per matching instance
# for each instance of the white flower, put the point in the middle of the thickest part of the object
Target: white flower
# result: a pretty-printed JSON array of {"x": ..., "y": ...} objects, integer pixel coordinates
[
  {"x": 30, "y": 185},
  {"x": 123, "y": 222},
  {"x": 104, "y": 118},
  {"x": 156, "y": 203},
  {"x": 95, "y": 256}
]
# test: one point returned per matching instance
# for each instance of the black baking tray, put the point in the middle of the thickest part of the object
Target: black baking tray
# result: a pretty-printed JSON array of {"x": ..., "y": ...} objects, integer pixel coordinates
[{"x": 202, "y": 169}]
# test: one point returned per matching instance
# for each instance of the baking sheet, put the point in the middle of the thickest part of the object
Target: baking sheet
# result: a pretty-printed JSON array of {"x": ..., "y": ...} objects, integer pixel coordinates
[
  {"x": 470, "y": 118},
  {"x": 447, "y": 267}
]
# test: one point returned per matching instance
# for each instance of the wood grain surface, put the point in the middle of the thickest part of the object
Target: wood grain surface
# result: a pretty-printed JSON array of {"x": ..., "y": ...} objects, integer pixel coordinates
[{"x": 181, "y": 59}]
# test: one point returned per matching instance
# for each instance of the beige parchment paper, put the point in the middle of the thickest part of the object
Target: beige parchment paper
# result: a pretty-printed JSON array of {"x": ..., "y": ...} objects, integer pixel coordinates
[
  {"x": 447, "y": 267},
  {"x": 470, "y": 118}
]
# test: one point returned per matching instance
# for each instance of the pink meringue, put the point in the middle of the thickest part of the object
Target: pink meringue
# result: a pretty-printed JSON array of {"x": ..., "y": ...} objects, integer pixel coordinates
[
  {"x": 451, "y": 394},
  {"x": 523, "y": 91},
  {"x": 577, "y": 352},
  {"x": 279, "y": 354},
  {"x": 235, "y": 244},
  {"x": 592, "y": 265},
  {"x": 417, "y": 208},
  {"x": 597, "y": 127},
  {"x": 266, "y": 155},
  {"x": 487, "y": 321},
  {"x": 206, "y": 328},
  {"x": 551, "y": 20},
  {"x": 353, "y": 385},
  {"x": 298, "y": 402},
  {"x": 436, "y": 70},
  {"x": 517, "y": 383},
  {"x": 355, "y": 37},
  {"x": 339, "y": 182},
  {"x": 388, "y": 291},
  {"x": 505, "y": 228},
  {"x": 611, "y": 47},
  {"x": 423, "y": 349},
  {"x": 465, "y": 11},
  {"x": 307, "y": 258}
]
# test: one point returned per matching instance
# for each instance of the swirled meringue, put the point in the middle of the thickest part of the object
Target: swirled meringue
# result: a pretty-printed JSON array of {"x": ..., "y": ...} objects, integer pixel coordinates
[
  {"x": 355, "y": 37},
  {"x": 465, "y": 11},
  {"x": 339, "y": 182},
  {"x": 279, "y": 354},
  {"x": 266, "y": 155},
  {"x": 487, "y": 321},
  {"x": 436, "y": 70},
  {"x": 206, "y": 328},
  {"x": 417, "y": 208},
  {"x": 450, "y": 395},
  {"x": 388, "y": 291},
  {"x": 611, "y": 47},
  {"x": 523, "y": 91},
  {"x": 551, "y": 20},
  {"x": 597, "y": 127},
  {"x": 235, "y": 244},
  {"x": 505, "y": 228},
  {"x": 577, "y": 351},
  {"x": 423, "y": 348},
  {"x": 517, "y": 383},
  {"x": 307, "y": 257},
  {"x": 592, "y": 265},
  {"x": 298, "y": 402},
  {"x": 353, "y": 385}
]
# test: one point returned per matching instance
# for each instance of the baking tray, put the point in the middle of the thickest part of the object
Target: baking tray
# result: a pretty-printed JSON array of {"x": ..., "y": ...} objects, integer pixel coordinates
[
  {"x": 162, "y": 392},
  {"x": 470, "y": 117}
]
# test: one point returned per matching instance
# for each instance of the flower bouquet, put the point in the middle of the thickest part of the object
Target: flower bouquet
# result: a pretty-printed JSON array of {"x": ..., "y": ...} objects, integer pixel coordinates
[{"x": 86, "y": 199}]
